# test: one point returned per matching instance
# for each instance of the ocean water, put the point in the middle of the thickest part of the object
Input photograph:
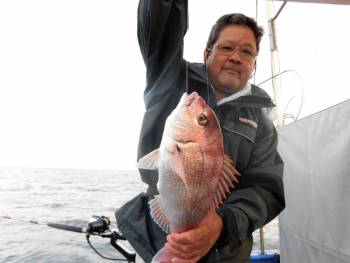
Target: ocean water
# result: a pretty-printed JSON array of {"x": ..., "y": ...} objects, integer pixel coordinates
[{"x": 71, "y": 197}]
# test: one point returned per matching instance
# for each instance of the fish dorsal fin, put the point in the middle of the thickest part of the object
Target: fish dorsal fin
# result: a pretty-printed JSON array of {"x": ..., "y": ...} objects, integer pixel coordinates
[
  {"x": 149, "y": 161},
  {"x": 158, "y": 215},
  {"x": 228, "y": 176}
]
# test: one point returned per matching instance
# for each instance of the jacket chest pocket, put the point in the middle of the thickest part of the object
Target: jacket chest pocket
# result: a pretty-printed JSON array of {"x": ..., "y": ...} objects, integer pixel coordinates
[{"x": 239, "y": 139}]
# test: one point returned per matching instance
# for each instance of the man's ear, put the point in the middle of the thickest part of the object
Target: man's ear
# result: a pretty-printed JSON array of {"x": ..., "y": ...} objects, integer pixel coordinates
[
  {"x": 206, "y": 55},
  {"x": 254, "y": 70}
]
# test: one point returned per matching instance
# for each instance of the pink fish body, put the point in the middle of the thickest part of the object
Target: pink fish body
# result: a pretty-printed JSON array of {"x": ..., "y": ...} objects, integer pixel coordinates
[{"x": 194, "y": 173}]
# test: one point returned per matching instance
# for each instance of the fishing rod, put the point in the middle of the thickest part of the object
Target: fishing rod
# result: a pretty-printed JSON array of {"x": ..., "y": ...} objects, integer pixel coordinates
[
  {"x": 98, "y": 226},
  {"x": 54, "y": 225}
]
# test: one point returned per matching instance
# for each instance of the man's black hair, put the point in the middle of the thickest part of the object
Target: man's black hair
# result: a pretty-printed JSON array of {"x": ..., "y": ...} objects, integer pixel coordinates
[{"x": 234, "y": 19}]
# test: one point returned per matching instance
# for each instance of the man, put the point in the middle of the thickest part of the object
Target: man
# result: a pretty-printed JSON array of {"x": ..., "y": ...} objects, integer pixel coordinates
[{"x": 250, "y": 138}]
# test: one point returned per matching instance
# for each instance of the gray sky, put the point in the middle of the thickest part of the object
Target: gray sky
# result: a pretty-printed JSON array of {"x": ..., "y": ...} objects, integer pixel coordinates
[{"x": 72, "y": 78}]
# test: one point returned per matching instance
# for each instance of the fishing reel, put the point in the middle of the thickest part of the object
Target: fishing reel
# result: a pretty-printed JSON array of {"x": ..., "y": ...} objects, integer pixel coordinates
[{"x": 98, "y": 225}]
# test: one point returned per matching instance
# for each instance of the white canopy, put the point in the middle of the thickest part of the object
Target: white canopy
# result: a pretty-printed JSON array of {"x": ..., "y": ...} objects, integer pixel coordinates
[{"x": 314, "y": 227}]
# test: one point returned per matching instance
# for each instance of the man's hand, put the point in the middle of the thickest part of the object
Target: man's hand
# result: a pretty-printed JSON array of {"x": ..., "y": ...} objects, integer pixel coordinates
[{"x": 192, "y": 245}]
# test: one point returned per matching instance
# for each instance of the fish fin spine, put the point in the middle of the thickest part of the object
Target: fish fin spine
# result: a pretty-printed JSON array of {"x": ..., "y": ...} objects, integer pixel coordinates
[
  {"x": 227, "y": 179},
  {"x": 158, "y": 215}
]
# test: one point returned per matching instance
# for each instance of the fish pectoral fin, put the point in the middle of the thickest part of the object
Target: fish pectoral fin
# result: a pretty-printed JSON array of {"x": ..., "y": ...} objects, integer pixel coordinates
[
  {"x": 178, "y": 167},
  {"x": 228, "y": 176},
  {"x": 158, "y": 215},
  {"x": 149, "y": 161}
]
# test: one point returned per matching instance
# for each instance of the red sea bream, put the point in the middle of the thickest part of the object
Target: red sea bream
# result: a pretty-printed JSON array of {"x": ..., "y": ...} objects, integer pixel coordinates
[{"x": 194, "y": 172}]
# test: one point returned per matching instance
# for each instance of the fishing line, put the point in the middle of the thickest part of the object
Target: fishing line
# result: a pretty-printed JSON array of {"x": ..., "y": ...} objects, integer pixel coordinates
[
  {"x": 272, "y": 77},
  {"x": 254, "y": 73},
  {"x": 33, "y": 221},
  {"x": 53, "y": 225},
  {"x": 294, "y": 97},
  {"x": 187, "y": 78},
  {"x": 208, "y": 92},
  {"x": 98, "y": 253},
  {"x": 256, "y": 10},
  {"x": 301, "y": 97}
]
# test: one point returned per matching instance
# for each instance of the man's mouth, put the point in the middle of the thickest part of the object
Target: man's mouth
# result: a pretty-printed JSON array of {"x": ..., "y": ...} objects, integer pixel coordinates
[{"x": 231, "y": 71}]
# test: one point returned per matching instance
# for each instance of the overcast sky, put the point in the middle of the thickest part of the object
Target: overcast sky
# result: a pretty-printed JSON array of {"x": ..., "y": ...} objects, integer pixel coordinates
[{"x": 72, "y": 78}]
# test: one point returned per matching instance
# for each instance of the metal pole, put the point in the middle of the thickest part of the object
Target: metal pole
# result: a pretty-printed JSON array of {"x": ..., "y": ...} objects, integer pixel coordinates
[
  {"x": 262, "y": 241},
  {"x": 275, "y": 66},
  {"x": 276, "y": 81}
]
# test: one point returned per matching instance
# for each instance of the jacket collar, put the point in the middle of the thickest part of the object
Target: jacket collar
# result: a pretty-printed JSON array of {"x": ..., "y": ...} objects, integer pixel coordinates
[{"x": 258, "y": 99}]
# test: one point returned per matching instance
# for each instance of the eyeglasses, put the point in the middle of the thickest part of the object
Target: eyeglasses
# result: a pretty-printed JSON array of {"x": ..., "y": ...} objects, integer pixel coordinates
[{"x": 228, "y": 49}]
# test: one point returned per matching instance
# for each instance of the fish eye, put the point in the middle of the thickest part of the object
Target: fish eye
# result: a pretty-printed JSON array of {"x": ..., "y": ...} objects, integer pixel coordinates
[{"x": 202, "y": 119}]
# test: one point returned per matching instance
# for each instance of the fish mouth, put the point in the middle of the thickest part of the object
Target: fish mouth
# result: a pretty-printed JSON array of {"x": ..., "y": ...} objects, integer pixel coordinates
[
  {"x": 181, "y": 142},
  {"x": 188, "y": 99}
]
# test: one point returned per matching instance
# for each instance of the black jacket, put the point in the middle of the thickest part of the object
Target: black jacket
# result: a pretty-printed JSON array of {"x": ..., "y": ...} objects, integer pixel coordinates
[{"x": 252, "y": 144}]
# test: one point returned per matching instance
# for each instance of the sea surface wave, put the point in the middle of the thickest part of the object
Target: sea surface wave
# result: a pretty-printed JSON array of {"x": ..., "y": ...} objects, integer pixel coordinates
[{"x": 68, "y": 196}]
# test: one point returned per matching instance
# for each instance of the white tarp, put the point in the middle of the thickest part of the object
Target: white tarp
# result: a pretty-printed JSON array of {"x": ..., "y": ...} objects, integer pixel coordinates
[{"x": 315, "y": 226}]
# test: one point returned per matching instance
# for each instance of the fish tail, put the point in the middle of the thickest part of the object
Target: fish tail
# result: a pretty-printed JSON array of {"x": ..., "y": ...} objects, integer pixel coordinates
[{"x": 163, "y": 256}]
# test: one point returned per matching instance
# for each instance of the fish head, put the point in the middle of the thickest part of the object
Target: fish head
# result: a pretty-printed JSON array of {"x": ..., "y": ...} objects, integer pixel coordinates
[
  {"x": 193, "y": 121},
  {"x": 191, "y": 161}
]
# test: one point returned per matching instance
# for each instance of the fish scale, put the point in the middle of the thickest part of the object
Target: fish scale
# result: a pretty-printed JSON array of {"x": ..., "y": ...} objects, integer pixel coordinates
[{"x": 194, "y": 173}]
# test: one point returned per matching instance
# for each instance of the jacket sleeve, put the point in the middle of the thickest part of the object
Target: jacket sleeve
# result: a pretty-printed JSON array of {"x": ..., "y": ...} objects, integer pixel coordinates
[
  {"x": 260, "y": 197},
  {"x": 162, "y": 25}
]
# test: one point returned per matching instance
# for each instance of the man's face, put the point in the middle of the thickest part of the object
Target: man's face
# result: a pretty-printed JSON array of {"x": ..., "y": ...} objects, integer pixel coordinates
[{"x": 231, "y": 60}]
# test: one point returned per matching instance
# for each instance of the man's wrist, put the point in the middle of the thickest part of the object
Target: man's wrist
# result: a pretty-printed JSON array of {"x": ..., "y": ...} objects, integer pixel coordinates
[{"x": 223, "y": 238}]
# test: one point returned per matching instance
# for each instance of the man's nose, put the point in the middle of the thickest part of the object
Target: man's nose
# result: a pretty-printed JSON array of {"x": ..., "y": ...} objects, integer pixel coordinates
[{"x": 235, "y": 57}]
